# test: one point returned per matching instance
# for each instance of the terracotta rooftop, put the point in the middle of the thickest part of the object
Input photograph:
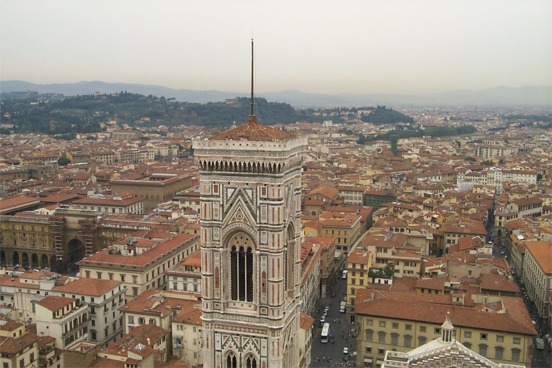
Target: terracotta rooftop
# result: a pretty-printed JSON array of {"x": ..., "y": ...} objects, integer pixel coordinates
[
  {"x": 116, "y": 260},
  {"x": 542, "y": 253},
  {"x": 87, "y": 286},
  {"x": 14, "y": 202},
  {"x": 10, "y": 345},
  {"x": 306, "y": 321},
  {"x": 253, "y": 131},
  {"x": 498, "y": 283},
  {"x": 55, "y": 303},
  {"x": 430, "y": 309}
]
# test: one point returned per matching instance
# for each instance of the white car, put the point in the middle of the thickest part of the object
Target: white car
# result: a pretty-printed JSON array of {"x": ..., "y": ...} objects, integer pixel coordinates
[{"x": 345, "y": 350}]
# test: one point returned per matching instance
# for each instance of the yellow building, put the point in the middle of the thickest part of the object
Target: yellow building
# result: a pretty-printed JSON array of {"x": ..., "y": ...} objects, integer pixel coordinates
[
  {"x": 498, "y": 328},
  {"x": 346, "y": 227},
  {"x": 18, "y": 348},
  {"x": 358, "y": 265},
  {"x": 537, "y": 275}
]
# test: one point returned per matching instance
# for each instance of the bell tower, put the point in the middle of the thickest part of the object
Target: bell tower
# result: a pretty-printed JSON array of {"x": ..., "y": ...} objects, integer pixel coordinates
[{"x": 250, "y": 197}]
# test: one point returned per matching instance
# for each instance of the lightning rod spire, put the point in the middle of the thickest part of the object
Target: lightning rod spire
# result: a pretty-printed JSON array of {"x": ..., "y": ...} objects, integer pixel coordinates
[{"x": 252, "y": 117}]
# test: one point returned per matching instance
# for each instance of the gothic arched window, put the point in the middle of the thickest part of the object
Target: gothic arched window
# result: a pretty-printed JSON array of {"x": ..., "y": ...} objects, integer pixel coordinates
[
  {"x": 251, "y": 362},
  {"x": 290, "y": 261},
  {"x": 231, "y": 361},
  {"x": 241, "y": 268}
]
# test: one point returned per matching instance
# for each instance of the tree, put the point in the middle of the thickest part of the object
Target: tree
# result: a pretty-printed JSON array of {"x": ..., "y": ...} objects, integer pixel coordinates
[{"x": 63, "y": 160}]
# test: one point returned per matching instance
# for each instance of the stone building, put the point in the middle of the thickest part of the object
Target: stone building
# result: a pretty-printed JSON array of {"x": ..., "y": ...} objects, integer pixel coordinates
[
  {"x": 54, "y": 241},
  {"x": 153, "y": 189},
  {"x": 250, "y": 185}
]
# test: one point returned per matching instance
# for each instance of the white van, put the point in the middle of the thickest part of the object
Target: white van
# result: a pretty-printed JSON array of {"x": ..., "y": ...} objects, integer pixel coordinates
[{"x": 344, "y": 274}]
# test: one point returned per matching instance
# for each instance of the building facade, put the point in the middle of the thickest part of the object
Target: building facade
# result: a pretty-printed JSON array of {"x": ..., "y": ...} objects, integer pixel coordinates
[
  {"x": 497, "y": 328},
  {"x": 250, "y": 185}
]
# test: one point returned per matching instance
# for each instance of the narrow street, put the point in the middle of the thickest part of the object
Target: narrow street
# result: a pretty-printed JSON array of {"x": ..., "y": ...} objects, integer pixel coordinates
[{"x": 341, "y": 329}]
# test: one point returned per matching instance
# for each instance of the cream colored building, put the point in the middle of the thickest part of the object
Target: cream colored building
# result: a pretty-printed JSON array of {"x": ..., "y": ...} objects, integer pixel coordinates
[
  {"x": 187, "y": 336},
  {"x": 18, "y": 348},
  {"x": 140, "y": 263},
  {"x": 359, "y": 262},
  {"x": 498, "y": 328},
  {"x": 446, "y": 351},
  {"x": 186, "y": 275},
  {"x": 346, "y": 227},
  {"x": 65, "y": 319},
  {"x": 103, "y": 298},
  {"x": 116, "y": 204},
  {"x": 537, "y": 275}
]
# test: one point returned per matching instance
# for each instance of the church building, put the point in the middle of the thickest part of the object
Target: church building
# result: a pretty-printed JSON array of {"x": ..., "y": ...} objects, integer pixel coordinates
[{"x": 250, "y": 207}]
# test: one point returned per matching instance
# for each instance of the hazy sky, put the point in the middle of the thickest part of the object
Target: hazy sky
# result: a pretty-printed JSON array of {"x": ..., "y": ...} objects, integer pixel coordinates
[{"x": 364, "y": 46}]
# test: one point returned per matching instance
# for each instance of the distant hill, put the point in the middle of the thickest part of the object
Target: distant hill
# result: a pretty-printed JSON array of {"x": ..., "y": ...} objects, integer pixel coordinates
[
  {"x": 382, "y": 115},
  {"x": 26, "y": 112},
  {"x": 499, "y": 96}
]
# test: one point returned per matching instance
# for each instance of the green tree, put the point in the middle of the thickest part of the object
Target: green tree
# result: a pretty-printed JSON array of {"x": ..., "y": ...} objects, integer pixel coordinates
[{"x": 63, "y": 160}]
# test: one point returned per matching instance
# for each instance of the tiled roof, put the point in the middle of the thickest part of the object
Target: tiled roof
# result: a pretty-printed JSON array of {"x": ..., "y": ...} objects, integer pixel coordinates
[
  {"x": 55, "y": 303},
  {"x": 358, "y": 257},
  {"x": 433, "y": 283},
  {"x": 17, "y": 201},
  {"x": 189, "y": 315},
  {"x": 140, "y": 260},
  {"x": 306, "y": 321},
  {"x": 253, "y": 131},
  {"x": 497, "y": 283},
  {"x": 10, "y": 345},
  {"x": 430, "y": 309},
  {"x": 542, "y": 253},
  {"x": 193, "y": 259},
  {"x": 87, "y": 286}
]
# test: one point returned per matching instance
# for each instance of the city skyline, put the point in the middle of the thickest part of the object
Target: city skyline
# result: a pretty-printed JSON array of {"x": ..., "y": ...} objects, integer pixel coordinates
[{"x": 324, "y": 47}]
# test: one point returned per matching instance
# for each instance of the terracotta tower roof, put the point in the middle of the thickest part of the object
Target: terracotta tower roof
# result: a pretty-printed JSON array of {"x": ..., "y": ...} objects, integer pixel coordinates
[{"x": 253, "y": 131}]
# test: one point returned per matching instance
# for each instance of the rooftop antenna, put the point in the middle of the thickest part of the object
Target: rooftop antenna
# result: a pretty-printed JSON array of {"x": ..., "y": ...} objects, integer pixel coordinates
[{"x": 252, "y": 117}]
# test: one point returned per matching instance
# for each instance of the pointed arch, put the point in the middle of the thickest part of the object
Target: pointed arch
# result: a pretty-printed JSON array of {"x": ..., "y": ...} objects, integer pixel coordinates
[
  {"x": 231, "y": 360},
  {"x": 242, "y": 266},
  {"x": 290, "y": 261},
  {"x": 251, "y": 361}
]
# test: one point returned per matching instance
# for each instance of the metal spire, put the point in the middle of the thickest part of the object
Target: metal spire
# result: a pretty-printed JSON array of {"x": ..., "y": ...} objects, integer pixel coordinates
[{"x": 252, "y": 117}]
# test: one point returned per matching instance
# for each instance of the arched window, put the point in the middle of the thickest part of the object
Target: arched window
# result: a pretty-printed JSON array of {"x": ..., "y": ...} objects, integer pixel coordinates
[
  {"x": 407, "y": 340},
  {"x": 241, "y": 268},
  {"x": 290, "y": 264},
  {"x": 369, "y": 335},
  {"x": 251, "y": 362},
  {"x": 381, "y": 337},
  {"x": 483, "y": 349},
  {"x": 516, "y": 353},
  {"x": 231, "y": 361}
]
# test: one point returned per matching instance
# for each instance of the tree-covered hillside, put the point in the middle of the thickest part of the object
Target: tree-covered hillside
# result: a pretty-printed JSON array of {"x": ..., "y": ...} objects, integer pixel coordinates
[
  {"x": 28, "y": 112},
  {"x": 83, "y": 114},
  {"x": 383, "y": 115}
]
